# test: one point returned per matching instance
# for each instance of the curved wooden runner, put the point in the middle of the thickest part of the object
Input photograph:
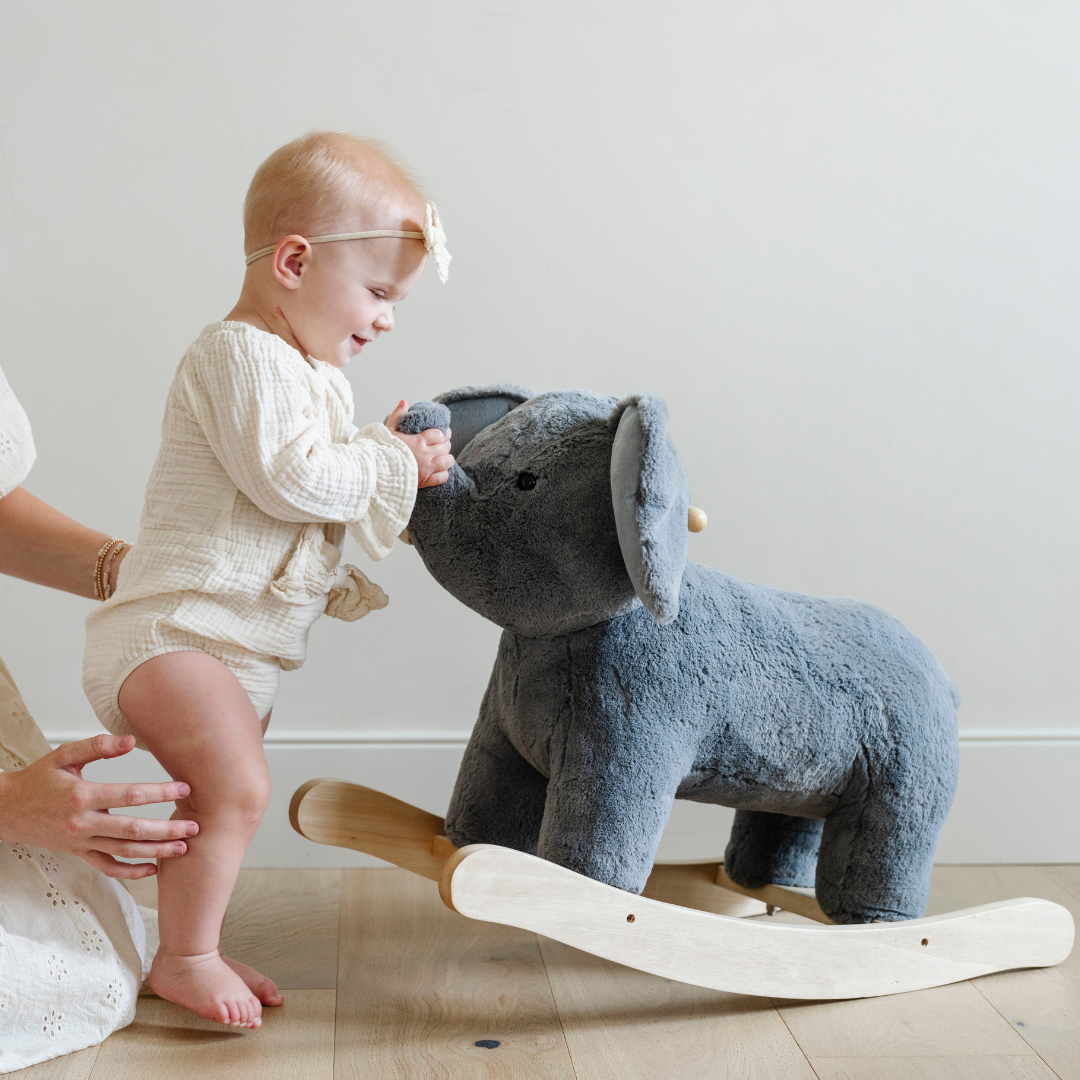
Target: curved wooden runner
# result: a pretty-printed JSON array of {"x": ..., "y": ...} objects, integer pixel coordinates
[{"x": 701, "y": 947}]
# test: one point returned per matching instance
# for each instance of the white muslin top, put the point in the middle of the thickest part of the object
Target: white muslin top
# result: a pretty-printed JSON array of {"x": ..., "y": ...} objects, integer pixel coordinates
[
  {"x": 71, "y": 940},
  {"x": 260, "y": 472}
]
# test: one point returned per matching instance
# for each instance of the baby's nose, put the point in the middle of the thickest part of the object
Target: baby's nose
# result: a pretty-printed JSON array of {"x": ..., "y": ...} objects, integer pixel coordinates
[{"x": 385, "y": 322}]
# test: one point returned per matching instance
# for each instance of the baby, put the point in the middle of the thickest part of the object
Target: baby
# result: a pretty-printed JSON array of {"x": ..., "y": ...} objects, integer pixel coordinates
[{"x": 260, "y": 473}]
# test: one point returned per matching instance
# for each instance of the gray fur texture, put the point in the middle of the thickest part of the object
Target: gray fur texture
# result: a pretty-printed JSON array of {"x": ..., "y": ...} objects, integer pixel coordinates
[{"x": 627, "y": 677}]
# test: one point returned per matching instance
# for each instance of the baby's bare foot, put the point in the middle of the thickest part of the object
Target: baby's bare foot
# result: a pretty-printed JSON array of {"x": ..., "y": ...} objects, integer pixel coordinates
[
  {"x": 206, "y": 985},
  {"x": 263, "y": 988}
]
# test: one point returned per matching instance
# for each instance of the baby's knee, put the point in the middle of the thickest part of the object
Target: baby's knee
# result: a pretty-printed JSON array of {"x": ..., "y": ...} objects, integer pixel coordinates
[
  {"x": 252, "y": 797},
  {"x": 242, "y": 800}
]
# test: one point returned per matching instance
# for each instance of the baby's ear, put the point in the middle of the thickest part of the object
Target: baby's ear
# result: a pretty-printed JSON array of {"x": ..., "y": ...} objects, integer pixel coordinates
[
  {"x": 473, "y": 408},
  {"x": 650, "y": 495},
  {"x": 424, "y": 415}
]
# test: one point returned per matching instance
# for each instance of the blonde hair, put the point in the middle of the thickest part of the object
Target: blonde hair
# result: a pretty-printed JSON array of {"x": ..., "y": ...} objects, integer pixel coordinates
[{"x": 323, "y": 180}]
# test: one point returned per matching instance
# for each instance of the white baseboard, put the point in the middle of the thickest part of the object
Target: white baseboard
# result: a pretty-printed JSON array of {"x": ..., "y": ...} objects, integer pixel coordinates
[{"x": 1018, "y": 799}]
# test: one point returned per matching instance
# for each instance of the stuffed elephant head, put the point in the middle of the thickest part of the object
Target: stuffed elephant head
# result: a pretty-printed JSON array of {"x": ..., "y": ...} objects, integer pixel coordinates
[{"x": 563, "y": 510}]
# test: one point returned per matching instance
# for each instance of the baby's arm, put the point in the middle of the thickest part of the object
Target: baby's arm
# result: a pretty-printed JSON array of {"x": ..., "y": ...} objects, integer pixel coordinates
[
  {"x": 255, "y": 411},
  {"x": 431, "y": 448}
]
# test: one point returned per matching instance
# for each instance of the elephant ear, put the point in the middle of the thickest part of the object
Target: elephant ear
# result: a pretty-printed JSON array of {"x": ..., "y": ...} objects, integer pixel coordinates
[
  {"x": 473, "y": 408},
  {"x": 651, "y": 496}
]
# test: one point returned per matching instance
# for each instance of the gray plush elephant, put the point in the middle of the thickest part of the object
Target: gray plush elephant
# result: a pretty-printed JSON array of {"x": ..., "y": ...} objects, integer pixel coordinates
[{"x": 627, "y": 677}]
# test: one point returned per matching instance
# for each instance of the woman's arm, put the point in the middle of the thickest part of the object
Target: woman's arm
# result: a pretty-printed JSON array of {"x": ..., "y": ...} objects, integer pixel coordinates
[
  {"x": 48, "y": 804},
  {"x": 39, "y": 544}
]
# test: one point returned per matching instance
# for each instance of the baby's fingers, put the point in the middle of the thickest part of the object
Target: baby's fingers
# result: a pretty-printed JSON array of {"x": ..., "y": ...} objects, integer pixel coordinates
[
  {"x": 435, "y": 435},
  {"x": 400, "y": 409},
  {"x": 435, "y": 479}
]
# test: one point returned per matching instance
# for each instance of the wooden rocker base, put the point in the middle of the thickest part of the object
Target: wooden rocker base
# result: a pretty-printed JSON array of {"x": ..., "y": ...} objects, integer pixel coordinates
[{"x": 708, "y": 944}]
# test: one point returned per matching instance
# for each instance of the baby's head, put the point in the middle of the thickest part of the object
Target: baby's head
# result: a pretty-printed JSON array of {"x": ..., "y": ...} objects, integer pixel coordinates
[{"x": 331, "y": 297}]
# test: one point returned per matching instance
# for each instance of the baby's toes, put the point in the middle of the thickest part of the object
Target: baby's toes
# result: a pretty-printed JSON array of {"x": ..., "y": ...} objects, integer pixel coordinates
[{"x": 252, "y": 1012}]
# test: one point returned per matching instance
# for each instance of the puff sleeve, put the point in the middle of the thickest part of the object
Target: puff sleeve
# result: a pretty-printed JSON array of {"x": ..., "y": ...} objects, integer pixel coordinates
[{"x": 260, "y": 405}]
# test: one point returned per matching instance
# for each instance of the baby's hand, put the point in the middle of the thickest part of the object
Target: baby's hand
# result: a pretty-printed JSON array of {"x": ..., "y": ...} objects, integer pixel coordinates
[{"x": 431, "y": 448}]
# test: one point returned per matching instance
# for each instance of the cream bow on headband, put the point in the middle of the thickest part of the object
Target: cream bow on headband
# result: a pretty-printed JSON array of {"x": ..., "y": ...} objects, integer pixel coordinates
[{"x": 433, "y": 236}]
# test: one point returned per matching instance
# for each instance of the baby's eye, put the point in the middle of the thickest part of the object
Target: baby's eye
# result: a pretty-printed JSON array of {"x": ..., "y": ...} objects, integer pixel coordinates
[
  {"x": 378, "y": 294},
  {"x": 526, "y": 481}
]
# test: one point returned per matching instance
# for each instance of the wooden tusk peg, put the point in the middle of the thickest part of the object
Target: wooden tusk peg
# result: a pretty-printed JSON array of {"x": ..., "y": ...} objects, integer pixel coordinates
[{"x": 696, "y": 519}]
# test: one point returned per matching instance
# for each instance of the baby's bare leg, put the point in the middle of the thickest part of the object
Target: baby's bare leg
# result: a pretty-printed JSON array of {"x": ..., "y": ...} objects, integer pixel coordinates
[
  {"x": 263, "y": 988},
  {"x": 196, "y": 719}
]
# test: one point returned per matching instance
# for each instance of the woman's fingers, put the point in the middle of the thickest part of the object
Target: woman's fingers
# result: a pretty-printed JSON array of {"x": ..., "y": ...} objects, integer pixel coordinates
[
  {"x": 77, "y": 754},
  {"x": 123, "y": 827},
  {"x": 133, "y": 849},
  {"x": 111, "y": 868},
  {"x": 106, "y": 796}
]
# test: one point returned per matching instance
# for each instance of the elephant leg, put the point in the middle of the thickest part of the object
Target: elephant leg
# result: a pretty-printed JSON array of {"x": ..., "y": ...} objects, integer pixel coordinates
[
  {"x": 775, "y": 849},
  {"x": 499, "y": 797},
  {"x": 877, "y": 848},
  {"x": 607, "y": 826}
]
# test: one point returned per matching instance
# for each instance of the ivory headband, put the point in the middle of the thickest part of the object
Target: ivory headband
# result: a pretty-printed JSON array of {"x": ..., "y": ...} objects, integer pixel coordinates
[{"x": 433, "y": 236}]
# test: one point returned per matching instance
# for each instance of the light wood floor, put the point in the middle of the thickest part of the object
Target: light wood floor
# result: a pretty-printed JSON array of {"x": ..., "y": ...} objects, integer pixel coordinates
[{"x": 383, "y": 981}]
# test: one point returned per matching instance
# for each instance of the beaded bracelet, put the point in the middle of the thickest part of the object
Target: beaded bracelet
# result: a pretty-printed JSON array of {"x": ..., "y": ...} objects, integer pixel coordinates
[
  {"x": 102, "y": 589},
  {"x": 106, "y": 573}
]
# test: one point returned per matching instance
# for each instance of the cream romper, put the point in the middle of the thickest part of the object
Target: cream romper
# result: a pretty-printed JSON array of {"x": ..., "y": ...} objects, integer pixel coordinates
[{"x": 260, "y": 472}]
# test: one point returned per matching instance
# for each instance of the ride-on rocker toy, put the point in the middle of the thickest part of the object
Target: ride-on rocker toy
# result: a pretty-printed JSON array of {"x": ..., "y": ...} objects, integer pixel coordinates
[
  {"x": 628, "y": 676},
  {"x": 694, "y": 944}
]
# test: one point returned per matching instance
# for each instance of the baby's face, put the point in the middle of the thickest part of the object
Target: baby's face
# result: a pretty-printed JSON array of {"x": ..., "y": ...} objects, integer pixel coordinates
[{"x": 347, "y": 294}]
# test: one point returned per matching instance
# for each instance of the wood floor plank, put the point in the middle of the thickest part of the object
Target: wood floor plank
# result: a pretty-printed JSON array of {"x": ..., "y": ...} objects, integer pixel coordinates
[
  {"x": 296, "y": 1040},
  {"x": 953, "y": 887},
  {"x": 625, "y": 1023},
  {"x": 936, "y": 1068},
  {"x": 284, "y": 923},
  {"x": 1042, "y": 1005},
  {"x": 1068, "y": 877},
  {"x": 419, "y": 986},
  {"x": 945, "y": 1021},
  {"x": 77, "y": 1066}
]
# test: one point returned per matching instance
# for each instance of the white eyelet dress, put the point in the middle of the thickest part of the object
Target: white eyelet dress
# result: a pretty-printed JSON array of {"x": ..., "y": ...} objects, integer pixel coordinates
[
  {"x": 260, "y": 472},
  {"x": 71, "y": 940}
]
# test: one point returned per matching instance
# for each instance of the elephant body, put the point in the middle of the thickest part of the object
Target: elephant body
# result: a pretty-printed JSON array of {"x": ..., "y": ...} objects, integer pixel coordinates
[{"x": 621, "y": 685}]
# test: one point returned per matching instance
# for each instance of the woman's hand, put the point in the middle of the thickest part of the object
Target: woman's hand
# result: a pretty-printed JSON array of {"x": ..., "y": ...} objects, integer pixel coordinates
[{"x": 49, "y": 805}]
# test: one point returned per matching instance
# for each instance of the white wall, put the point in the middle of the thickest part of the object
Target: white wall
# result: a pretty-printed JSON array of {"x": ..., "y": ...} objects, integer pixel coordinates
[{"x": 840, "y": 239}]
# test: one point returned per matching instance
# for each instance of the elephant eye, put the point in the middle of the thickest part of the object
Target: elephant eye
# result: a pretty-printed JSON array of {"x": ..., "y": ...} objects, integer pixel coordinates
[{"x": 526, "y": 481}]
